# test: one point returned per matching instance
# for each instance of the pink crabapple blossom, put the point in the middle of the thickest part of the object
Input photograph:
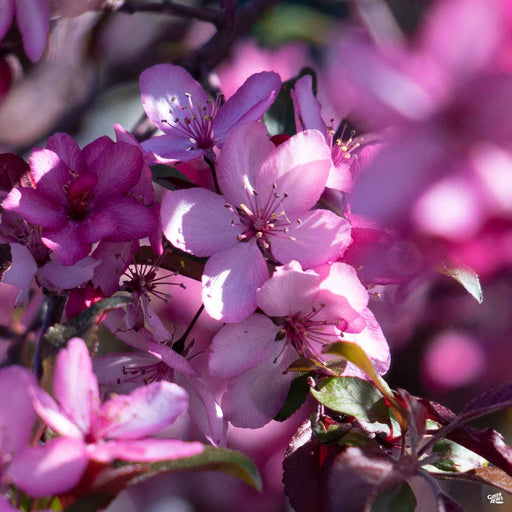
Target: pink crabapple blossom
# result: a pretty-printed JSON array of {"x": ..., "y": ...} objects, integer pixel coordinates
[
  {"x": 115, "y": 429},
  {"x": 264, "y": 215},
  {"x": 345, "y": 151},
  {"x": 38, "y": 470},
  {"x": 192, "y": 123},
  {"x": 83, "y": 196},
  {"x": 156, "y": 360},
  {"x": 303, "y": 311}
]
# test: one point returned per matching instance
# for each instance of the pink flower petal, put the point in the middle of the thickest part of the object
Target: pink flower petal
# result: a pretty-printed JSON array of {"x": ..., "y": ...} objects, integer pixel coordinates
[
  {"x": 159, "y": 84},
  {"x": 128, "y": 219},
  {"x": 239, "y": 347},
  {"x": 341, "y": 279},
  {"x": 4, "y": 505},
  {"x": 371, "y": 339},
  {"x": 241, "y": 158},
  {"x": 111, "y": 368},
  {"x": 197, "y": 221},
  {"x": 230, "y": 280},
  {"x": 21, "y": 273},
  {"x": 33, "y": 18},
  {"x": 117, "y": 165},
  {"x": 449, "y": 35},
  {"x": 289, "y": 290},
  {"x": 67, "y": 243},
  {"x": 114, "y": 257},
  {"x": 248, "y": 104},
  {"x": 67, "y": 150},
  {"x": 49, "y": 171},
  {"x": 204, "y": 410},
  {"x": 74, "y": 383},
  {"x": 143, "y": 412},
  {"x": 50, "y": 412},
  {"x": 167, "y": 149},
  {"x": 306, "y": 107},
  {"x": 146, "y": 450},
  {"x": 17, "y": 415},
  {"x": 6, "y": 16},
  {"x": 171, "y": 358},
  {"x": 255, "y": 397},
  {"x": 35, "y": 208},
  {"x": 321, "y": 236},
  {"x": 54, "y": 275},
  {"x": 299, "y": 167},
  {"x": 51, "y": 469}
]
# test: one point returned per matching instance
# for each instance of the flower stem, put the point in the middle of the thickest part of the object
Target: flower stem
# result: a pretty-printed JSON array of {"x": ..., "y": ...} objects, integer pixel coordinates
[{"x": 179, "y": 346}]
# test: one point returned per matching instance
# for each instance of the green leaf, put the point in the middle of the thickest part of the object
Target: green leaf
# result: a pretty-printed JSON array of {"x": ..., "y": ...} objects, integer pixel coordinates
[
  {"x": 224, "y": 460},
  {"x": 397, "y": 498},
  {"x": 113, "y": 480},
  {"x": 352, "y": 396},
  {"x": 456, "y": 457},
  {"x": 356, "y": 355},
  {"x": 58, "y": 335},
  {"x": 467, "y": 277},
  {"x": 297, "y": 394}
]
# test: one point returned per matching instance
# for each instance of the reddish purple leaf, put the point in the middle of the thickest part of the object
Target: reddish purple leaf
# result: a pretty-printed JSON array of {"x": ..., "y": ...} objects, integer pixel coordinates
[
  {"x": 13, "y": 171},
  {"x": 302, "y": 471}
]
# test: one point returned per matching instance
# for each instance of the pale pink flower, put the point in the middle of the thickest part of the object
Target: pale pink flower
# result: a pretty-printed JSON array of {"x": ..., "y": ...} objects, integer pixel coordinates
[
  {"x": 263, "y": 216},
  {"x": 303, "y": 311},
  {"x": 155, "y": 360},
  {"x": 83, "y": 196},
  {"x": 346, "y": 150},
  {"x": 33, "y": 18},
  {"x": 192, "y": 123},
  {"x": 115, "y": 429},
  {"x": 38, "y": 470}
]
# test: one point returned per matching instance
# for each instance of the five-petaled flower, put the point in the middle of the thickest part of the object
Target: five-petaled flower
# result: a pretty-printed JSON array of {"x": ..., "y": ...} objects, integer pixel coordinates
[
  {"x": 303, "y": 311},
  {"x": 192, "y": 123},
  {"x": 83, "y": 196},
  {"x": 264, "y": 216}
]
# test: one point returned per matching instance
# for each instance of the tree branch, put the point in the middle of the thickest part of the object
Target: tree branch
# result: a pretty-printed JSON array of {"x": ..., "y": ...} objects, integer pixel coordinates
[{"x": 209, "y": 15}]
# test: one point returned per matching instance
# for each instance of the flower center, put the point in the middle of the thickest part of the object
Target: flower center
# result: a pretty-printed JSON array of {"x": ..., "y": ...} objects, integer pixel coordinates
[
  {"x": 262, "y": 217},
  {"x": 343, "y": 149},
  {"x": 79, "y": 193},
  {"x": 154, "y": 372},
  {"x": 144, "y": 280},
  {"x": 193, "y": 120},
  {"x": 307, "y": 331}
]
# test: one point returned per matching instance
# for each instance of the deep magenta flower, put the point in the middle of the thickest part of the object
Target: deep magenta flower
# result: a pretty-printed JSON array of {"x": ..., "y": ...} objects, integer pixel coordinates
[
  {"x": 303, "y": 310},
  {"x": 38, "y": 470},
  {"x": 192, "y": 123},
  {"x": 115, "y": 429},
  {"x": 83, "y": 196},
  {"x": 33, "y": 18},
  {"x": 263, "y": 216}
]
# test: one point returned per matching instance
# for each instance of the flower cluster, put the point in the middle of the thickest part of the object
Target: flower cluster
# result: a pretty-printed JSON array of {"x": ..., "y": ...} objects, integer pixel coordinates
[{"x": 229, "y": 258}]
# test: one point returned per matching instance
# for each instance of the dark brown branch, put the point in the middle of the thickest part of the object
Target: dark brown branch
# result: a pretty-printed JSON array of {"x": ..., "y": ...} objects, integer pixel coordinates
[
  {"x": 209, "y": 15},
  {"x": 211, "y": 53},
  {"x": 175, "y": 261}
]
